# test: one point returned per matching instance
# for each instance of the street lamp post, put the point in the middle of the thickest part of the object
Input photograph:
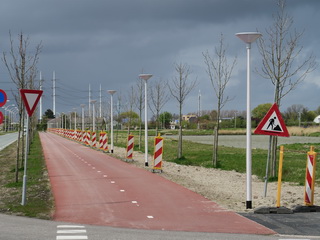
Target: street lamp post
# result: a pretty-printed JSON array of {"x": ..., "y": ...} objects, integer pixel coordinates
[
  {"x": 6, "y": 109},
  {"x": 111, "y": 92},
  {"x": 248, "y": 38},
  {"x": 82, "y": 106},
  {"x": 75, "y": 119},
  {"x": 145, "y": 77},
  {"x": 93, "y": 115}
]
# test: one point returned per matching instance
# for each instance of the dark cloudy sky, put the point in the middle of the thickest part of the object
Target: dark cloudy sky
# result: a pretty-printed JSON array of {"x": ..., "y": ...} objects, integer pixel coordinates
[{"x": 109, "y": 42}]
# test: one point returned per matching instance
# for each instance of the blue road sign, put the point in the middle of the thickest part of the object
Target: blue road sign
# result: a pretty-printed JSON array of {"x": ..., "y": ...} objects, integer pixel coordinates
[{"x": 3, "y": 97}]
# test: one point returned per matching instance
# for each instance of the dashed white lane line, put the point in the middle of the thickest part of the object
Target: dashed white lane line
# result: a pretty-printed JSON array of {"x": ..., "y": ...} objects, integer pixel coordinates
[
  {"x": 70, "y": 226},
  {"x": 105, "y": 175},
  {"x": 150, "y": 217},
  {"x": 112, "y": 182},
  {"x": 72, "y": 231},
  {"x": 122, "y": 190}
]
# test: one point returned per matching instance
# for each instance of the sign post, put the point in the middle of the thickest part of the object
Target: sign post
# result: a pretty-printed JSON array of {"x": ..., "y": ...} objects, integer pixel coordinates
[
  {"x": 30, "y": 99},
  {"x": 272, "y": 124}
]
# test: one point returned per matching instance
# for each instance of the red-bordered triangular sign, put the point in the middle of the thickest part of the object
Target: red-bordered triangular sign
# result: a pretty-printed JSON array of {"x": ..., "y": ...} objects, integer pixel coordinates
[
  {"x": 30, "y": 99},
  {"x": 272, "y": 124}
]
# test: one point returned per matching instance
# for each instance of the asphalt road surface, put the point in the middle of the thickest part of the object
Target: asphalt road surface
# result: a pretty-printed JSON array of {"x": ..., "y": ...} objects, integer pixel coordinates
[
  {"x": 7, "y": 139},
  {"x": 22, "y": 228},
  {"x": 91, "y": 187},
  {"x": 239, "y": 141}
]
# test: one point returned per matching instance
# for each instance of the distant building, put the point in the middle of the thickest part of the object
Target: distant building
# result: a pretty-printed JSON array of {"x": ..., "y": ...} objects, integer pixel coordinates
[{"x": 191, "y": 118}]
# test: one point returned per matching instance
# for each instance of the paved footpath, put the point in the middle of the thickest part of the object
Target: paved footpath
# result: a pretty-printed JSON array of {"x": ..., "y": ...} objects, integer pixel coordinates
[{"x": 91, "y": 187}]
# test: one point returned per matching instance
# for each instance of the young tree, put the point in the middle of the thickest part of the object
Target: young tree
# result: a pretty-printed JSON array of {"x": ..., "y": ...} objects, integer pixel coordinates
[
  {"x": 22, "y": 68},
  {"x": 219, "y": 72},
  {"x": 132, "y": 101},
  {"x": 159, "y": 97},
  {"x": 281, "y": 60},
  {"x": 179, "y": 90},
  {"x": 261, "y": 110},
  {"x": 165, "y": 119}
]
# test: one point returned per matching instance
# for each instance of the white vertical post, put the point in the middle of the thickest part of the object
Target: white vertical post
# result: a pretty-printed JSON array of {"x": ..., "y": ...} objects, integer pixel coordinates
[
  {"x": 89, "y": 101},
  {"x": 54, "y": 93},
  {"x": 146, "y": 123},
  {"x": 111, "y": 92},
  {"x": 248, "y": 38},
  {"x": 75, "y": 119},
  {"x": 145, "y": 77},
  {"x": 24, "y": 186},
  {"x": 82, "y": 106},
  {"x": 93, "y": 115},
  {"x": 40, "y": 109},
  {"x": 100, "y": 100},
  {"x": 248, "y": 132}
]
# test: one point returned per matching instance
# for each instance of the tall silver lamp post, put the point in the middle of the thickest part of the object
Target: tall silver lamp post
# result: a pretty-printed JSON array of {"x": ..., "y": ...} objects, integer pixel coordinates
[
  {"x": 93, "y": 102},
  {"x": 75, "y": 119},
  {"x": 82, "y": 106},
  {"x": 248, "y": 38},
  {"x": 111, "y": 92},
  {"x": 145, "y": 77}
]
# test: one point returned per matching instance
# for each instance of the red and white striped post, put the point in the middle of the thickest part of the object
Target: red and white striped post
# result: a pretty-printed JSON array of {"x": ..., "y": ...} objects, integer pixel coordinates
[
  {"x": 84, "y": 137},
  {"x": 310, "y": 177},
  {"x": 130, "y": 145},
  {"x": 104, "y": 142},
  {"x": 157, "y": 156},
  {"x": 88, "y": 138},
  {"x": 93, "y": 139}
]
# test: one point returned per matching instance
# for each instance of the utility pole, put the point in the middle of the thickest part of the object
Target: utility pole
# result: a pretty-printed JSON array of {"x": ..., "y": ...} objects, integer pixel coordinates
[
  {"x": 54, "y": 92},
  {"x": 40, "y": 112},
  {"x": 89, "y": 101},
  {"x": 199, "y": 108},
  {"x": 100, "y": 99}
]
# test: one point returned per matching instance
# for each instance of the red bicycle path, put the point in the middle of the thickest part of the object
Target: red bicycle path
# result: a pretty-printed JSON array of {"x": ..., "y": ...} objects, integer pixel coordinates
[{"x": 92, "y": 187}]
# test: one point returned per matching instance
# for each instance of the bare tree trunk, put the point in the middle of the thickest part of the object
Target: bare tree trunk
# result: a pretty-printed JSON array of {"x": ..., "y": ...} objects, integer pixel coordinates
[
  {"x": 180, "y": 134},
  {"x": 215, "y": 147}
]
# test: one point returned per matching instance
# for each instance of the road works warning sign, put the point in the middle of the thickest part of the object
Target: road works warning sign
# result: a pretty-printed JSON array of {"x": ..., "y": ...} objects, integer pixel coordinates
[{"x": 272, "y": 124}]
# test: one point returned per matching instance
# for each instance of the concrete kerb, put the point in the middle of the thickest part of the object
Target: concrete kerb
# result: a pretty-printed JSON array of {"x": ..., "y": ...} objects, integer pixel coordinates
[
  {"x": 284, "y": 210},
  {"x": 272, "y": 210},
  {"x": 306, "y": 209}
]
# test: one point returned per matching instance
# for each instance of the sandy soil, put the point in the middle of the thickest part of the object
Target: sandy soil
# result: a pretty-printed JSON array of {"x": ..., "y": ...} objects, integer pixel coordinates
[{"x": 227, "y": 188}]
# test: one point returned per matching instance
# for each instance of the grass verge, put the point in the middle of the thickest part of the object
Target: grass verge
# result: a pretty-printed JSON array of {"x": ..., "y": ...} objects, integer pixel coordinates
[
  {"x": 196, "y": 154},
  {"x": 39, "y": 199}
]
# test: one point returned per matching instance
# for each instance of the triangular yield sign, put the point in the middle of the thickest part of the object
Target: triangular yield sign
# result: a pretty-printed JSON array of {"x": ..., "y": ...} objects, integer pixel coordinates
[
  {"x": 272, "y": 124},
  {"x": 30, "y": 99}
]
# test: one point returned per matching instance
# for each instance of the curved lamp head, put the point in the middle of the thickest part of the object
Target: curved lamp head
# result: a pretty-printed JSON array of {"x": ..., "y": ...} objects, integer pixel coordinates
[
  {"x": 145, "y": 76},
  {"x": 248, "y": 37},
  {"x": 111, "y": 92}
]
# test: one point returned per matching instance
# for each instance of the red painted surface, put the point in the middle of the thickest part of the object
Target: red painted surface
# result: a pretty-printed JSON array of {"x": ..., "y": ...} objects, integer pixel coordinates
[{"x": 88, "y": 188}]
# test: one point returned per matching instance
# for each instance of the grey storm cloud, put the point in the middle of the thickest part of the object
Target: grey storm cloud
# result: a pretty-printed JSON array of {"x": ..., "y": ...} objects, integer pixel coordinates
[{"x": 110, "y": 42}]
